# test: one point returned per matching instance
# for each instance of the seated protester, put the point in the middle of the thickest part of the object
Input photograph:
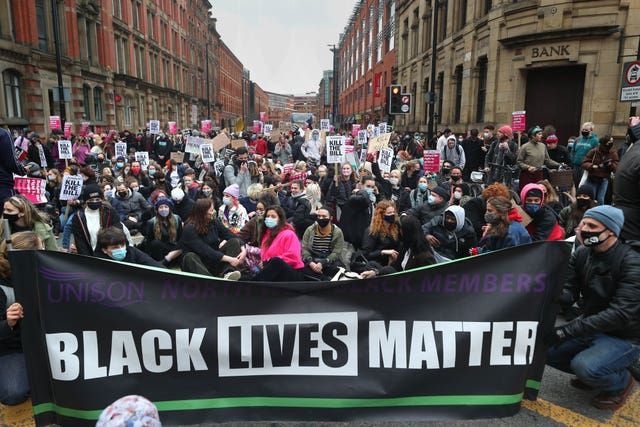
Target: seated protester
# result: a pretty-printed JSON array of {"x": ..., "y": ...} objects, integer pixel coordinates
[
  {"x": 475, "y": 208},
  {"x": 415, "y": 250},
  {"x": 160, "y": 183},
  {"x": 342, "y": 187},
  {"x": 133, "y": 204},
  {"x": 455, "y": 177},
  {"x": 418, "y": 196},
  {"x": 437, "y": 202},
  {"x": 502, "y": 229},
  {"x": 280, "y": 250},
  {"x": 208, "y": 246},
  {"x": 451, "y": 234},
  {"x": 460, "y": 194},
  {"x": 87, "y": 222},
  {"x": 357, "y": 212},
  {"x": 112, "y": 244},
  {"x": 381, "y": 240},
  {"x": 232, "y": 214},
  {"x": 209, "y": 190},
  {"x": 322, "y": 246},
  {"x": 570, "y": 216},
  {"x": 251, "y": 200},
  {"x": 543, "y": 225},
  {"x": 298, "y": 208},
  {"x": 163, "y": 233},
  {"x": 182, "y": 205},
  {"x": 189, "y": 184},
  {"x": 174, "y": 174},
  {"x": 551, "y": 198},
  {"x": 23, "y": 216},
  {"x": 254, "y": 229},
  {"x": 411, "y": 175},
  {"x": 142, "y": 178},
  {"x": 14, "y": 383},
  {"x": 444, "y": 177},
  {"x": 390, "y": 189}
]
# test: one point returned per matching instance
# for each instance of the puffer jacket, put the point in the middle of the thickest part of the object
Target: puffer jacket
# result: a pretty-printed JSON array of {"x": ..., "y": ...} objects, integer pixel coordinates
[
  {"x": 134, "y": 204},
  {"x": 611, "y": 301},
  {"x": 454, "y": 244}
]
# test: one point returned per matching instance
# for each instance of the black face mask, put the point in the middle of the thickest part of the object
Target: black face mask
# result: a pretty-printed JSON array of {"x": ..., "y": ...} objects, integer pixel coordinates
[
  {"x": 445, "y": 171},
  {"x": 583, "y": 203},
  {"x": 390, "y": 218},
  {"x": 585, "y": 134},
  {"x": 591, "y": 238},
  {"x": 450, "y": 226},
  {"x": 491, "y": 218},
  {"x": 12, "y": 218},
  {"x": 456, "y": 177},
  {"x": 323, "y": 222},
  {"x": 122, "y": 193}
]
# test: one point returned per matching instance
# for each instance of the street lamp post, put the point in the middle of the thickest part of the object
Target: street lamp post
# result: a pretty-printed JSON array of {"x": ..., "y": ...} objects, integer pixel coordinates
[
  {"x": 334, "y": 114},
  {"x": 432, "y": 82}
]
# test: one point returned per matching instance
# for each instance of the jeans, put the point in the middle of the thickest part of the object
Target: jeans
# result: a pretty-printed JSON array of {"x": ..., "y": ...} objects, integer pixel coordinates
[
  {"x": 600, "y": 361},
  {"x": 600, "y": 186},
  {"x": 14, "y": 384}
]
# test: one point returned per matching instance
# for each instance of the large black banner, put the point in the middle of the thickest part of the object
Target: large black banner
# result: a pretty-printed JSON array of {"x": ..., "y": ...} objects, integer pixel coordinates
[{"x": 457, "y": 340}]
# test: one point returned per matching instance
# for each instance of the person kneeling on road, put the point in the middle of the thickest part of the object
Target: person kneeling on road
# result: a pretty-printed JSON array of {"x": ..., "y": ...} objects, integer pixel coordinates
[{"x": 599, "y": 346}]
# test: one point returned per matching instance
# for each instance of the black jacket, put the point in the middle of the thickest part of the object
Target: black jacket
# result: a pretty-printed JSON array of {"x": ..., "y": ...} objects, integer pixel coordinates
[
  {"x": 626, "y": 188},
  {"x": 9, "y": 338},
  {"x": 134, "y": 256},
  {"x": 355, "y": 218},
  {"x": 372, "y": 247},
  {"x": 427, "y": 212},
  {"x": 8, "y": 163},
  {"x": 108, "y": 217},
  {"x": 611, "y": 301},
  {"x": 206, "y": 246},
  {"x": 453, "y": 244}
]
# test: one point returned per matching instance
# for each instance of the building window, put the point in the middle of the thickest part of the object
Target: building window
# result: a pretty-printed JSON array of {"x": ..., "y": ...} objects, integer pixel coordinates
[
  {"x": 150, "y": 30},
  {"x": 481, "y": 98},
  {"x": 127, "y": 111},
  {"x": 462, "y": 14},
  {"x": 405, "y": 40},
  {"x": 426, "y": 104},
  {"x": 86, "y": 101},
  {"x": 442, "y": 20},
  {"x": 458, "y": 77},
  {"x": 41, "y": 22},
  {"x": 414, "y": 34},
  {"x": 487, "y": 6},
  {"x": 7, "y": 29},
  {"x": 141, "y": 110},
  {"x": 392, "y": 24},
  {"x": 136, "y": 8},
  {"x": 369, "y": 88},
  {"x": 116, "y": 6},
  {"x": 440, "y": 84},
  {"x": 379, "y": 35},
  {"x": 97, "y": 103},
  {"x": 370, "y": 49},
  {"x": 12, "y": 99}
]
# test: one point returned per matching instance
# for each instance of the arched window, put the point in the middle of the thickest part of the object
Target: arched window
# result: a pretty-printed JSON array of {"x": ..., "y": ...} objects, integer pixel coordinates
[
  {"x": 12, "y": 98},
  {"x": 86, "y": 101},
  {"x": 127, "y": 111},
  {"x": 97, "y": 103}
]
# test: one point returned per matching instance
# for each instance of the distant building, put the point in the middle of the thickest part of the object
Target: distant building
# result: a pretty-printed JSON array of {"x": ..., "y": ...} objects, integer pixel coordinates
[
  {"x": 231, "y": 87},
  {"x": 325, "y": 96},
  {"x": 280, "y": 107}
]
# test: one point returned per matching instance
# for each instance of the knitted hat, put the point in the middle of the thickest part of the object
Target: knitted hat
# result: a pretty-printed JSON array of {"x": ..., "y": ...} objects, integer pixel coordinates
[
  {"x": 163, "y": 201},
  {"x": 506, "y": 131},
  {"x": 232, "y": 190},
  {"x": 586, "y": 189},
  {"x": 177, "y": 194},
  {"x": 90, "y": 191},
  {"x": 612, "y": 218},
  {"x": 130, "y": 411},
  {"x": 552, "y": 139},
  {"x": 442, "y": 192},
  {"x": 534, "y": 130}
]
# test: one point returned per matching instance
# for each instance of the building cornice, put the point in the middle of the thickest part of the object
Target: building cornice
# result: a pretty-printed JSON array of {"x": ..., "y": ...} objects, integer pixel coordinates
[{"x": 550, "y": 36}]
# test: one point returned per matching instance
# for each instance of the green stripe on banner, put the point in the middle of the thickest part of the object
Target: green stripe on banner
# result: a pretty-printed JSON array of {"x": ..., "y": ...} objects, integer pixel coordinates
[
  {"x": 300, "y": 402},
  {"x": 533, "y": 384}
]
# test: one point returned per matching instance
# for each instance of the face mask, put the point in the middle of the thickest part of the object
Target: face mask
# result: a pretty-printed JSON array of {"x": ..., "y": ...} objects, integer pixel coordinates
[
  {"x": 122, "y": 193},
  {"x": 431, "y": 200},
  {"x": 36, "y": 174},
  {"x": 323, "y": 222},
  {"x": 457, "y": 195},
  {"x": 486, "y": 134},
  {"x": 393, "y": 181},
  {"x": 164, "y": 212},
  {"x": 100, "y": 159},
  {"x": 119, "y": 254},
  {"x": 460, "y": 140},
  {"x": 390, "y": 218},
  {"x": 226, "y": 201},
  {"x": 206, "y": 192},
  {"x": 532, "y": 208},
  {"x": 162, "y": 143},
  {"x": 152, "y": 172},
  {"x": 491, "y": 218},
  {"x": 94, "y": 205},
  {"x": 583, "y": 203},
  {"x": 10, "y": 217},
  {"x": 135, "y": 170},
  {"x": 346, "y": 173},
  {"x": 51, "y": 178},
  {"x": 135, "y": 189},
  {"x": 270, "y": 222},
  {"x": 585, "y": 134},
  {"x": 187, "y": 184},
  {"x": 109, "y": 193},
  {"x": 315, "y": 137},
  {"x": 369, "y": 191},
  {"x": 591, "y": 238},
  {"x": 423, "y": 186},
  {"x": 456, "y": 177},
  {"x": 120, "y": 164},
  {"x": 450, "y": 226},
  {"x": 445, "y": 171}
]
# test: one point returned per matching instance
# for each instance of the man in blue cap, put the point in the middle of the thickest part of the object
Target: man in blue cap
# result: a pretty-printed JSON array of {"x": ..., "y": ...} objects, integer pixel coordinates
[{"x": 601, "y": 344}]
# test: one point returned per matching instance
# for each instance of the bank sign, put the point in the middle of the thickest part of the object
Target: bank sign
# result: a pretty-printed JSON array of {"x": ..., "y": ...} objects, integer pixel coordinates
[{"x": 630, "y": 89}]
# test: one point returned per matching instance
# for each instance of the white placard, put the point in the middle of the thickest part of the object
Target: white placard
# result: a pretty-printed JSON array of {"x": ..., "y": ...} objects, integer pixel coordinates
[
  {"x": 193, "y": 144},
  {"x": 325, "y": 125},
  {"x": 386, "y": 160},
  {"x": 362, "y": 137},
  {"x": 383, "y": 127},
  {"x": 376, "y": 131},
  {"x": 65, "y": 149},
  {"x": 143, "y": 158},
  {"x": 219, "y": 167},
  {"x": 71, "y": 187},
  {"x": 335, "y": 149},
  {"x": 121, "y": 149},
  {"x": 154, "y": 127},
  {"x": 268, "y": 129},
  {"x": 206, "y": 151}
]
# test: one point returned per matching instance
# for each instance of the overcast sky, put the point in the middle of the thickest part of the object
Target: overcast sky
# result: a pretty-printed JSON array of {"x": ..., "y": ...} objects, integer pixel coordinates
[{"x": 283, "y": 43}]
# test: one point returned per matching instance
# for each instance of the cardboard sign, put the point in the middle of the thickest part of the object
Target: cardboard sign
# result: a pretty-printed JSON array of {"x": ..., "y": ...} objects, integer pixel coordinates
[
  {"x": 121, "y": 149},
  {"x": 54, "y": 122},
  {"x": 31, "y": 188},
  {"x": 178, "y": 156},
  {"x": 173, "y": 128},
  {"x": 220, "y": 141},
  {"x": 193, "y": 144},
  {"x": 324, "y": 125},
  {"x": 67, "y": 129},
  {"x": 143, "y": 158},
  {"x": 84, "y": 128},
  {"x": 206, "y": 151},
  {"x": 65, "y": 150},
  {"x": 154, "y": 127},
  {"x": 379, "y": 142},
  {"x": 206, "y": 125},
  {"x": 431, "y": 161},
  {"x": 335, "y": 149},
  {"x": 71, "y": 187},
  {"x": 237, "y": 143},
  {"x": 386, "y": 160},
  {"x": 518, "y": 121}
]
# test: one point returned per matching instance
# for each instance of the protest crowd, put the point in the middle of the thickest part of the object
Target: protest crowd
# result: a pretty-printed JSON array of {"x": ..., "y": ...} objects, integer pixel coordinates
[{"x": 297, "y": 205}]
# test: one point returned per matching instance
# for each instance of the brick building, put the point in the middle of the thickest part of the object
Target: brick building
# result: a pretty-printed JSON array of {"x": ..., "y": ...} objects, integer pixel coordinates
[
  {"x": 231, "y": 87},
  {"x": 280, "y": 107}
]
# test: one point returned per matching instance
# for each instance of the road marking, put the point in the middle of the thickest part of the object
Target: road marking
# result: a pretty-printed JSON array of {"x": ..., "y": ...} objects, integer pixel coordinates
[
  {"x": 629, "y": 414},
  {"x": 560, "y": 414}
]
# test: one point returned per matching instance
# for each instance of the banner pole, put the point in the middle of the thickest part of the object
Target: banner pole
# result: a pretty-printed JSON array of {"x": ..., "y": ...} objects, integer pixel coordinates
[{"x": 7, "y": 234}]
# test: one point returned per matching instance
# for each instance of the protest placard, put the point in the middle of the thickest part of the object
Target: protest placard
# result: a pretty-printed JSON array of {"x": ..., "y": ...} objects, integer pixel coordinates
[
  {"x": 178, "y": 156},
  {"x": 173, "y": 128},
  {"x": 220, "y": 141},
  {"x": 154, "y": 127},
  {"x": 65, "y": 149},
  {"x": 206, "y": 125},
  {"x": 268, "y": 129},
  {"x": 257, "y": 126},
  {"x": 67, "y": 129},
  {"x": 379, "y": 142},
  {"x": 386, "y": 159},
  {"x": 362, "y": 137},
  {"x": 431, "y": 160},
  {"x": 31, "y": 188},
  {"x": 335, "y": 149},
  {"x": 355, "y": 128},
  {"x": 375, "y": 131},
  {"x": 219, "y": 167},
  {"x": 143, "y": 158},
  {"x": 383, "y": 127},
  {"x": 121, "y": 149},
  {"x": 84, "y": 128},
  {"x": 237, "y": 143},
  {"x": 193, "y": 144},
  {"x": 324, "y": 125},
  {"x": 207, "y": 154},
  {"x": 54, "y": 122},
  {"x": 71, "y": 187}
]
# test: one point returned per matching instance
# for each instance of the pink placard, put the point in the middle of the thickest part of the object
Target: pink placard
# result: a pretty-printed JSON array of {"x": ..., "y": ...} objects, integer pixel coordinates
[
  {"x": 173, "y": 128},
  {"x": 31, "y": 188},
  {"x": 431, "y": 161},
  {"x": 54, "y": 122},
  {"x": 67, "y": 129},
  {"x": 354, "y": 130},
  {"x": 206, "y": 126},
  {"x": 257, "y": 126},
  {"x": 84, "y": 128},
  {"x": 263, "y": 116},
  {"x": 518, "y": 121},
  {"x": 110, "y": 136}
]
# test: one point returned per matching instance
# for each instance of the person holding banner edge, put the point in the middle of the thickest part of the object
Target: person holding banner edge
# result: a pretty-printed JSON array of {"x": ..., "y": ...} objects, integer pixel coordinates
[
  {"x": 23, "y": 216},
  {"x": 8, "y": 165}
]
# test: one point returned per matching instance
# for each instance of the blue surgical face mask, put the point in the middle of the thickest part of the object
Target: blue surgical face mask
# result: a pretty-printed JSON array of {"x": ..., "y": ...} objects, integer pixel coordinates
[
  {"x": 120, "y": 164},
  {"x": 422, "y": 186},
  {"x": 164, "y": 212},
  {"x": 532, "y": 207},
  {"x": 119, "y": 254},
  {"x": 270, "y": 222},
  {"x": 226, "y": 201},
  {"x": 431, "y": 200},
  {"x": 369, "y": 191},
  {"x": 152, "y": 172}
]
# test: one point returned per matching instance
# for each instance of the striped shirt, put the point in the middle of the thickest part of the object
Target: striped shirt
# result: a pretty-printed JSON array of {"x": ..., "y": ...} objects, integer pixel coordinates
[{"x": 321, "y": 244}]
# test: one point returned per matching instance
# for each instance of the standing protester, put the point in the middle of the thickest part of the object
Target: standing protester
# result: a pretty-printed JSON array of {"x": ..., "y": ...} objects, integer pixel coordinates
[
  {"x": 532, "y": 156},
  {"x": 581, "y": 146},
  {"x": 626, "y": 186},
  {"x": 503, "y": 152},
  {"x": 601, "y": 162},
  {"x": 8, "y": 165},
  {"x": 602, "y": 343},
  {"x": 475, "y": 152}
]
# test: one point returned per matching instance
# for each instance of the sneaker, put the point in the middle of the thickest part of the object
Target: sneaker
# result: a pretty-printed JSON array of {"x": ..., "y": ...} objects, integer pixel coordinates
[
  {"x": 613, "y": 402},
  {"x": 336, "y": 276},
  {"x": 577, "y": 383},
  {"x": 232, "y": 275}
]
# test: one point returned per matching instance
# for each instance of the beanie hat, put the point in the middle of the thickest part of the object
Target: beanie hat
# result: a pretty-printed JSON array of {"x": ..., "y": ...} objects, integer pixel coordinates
[
  {"x": 177, "y": 194},
  {"x": 232, "y": 190},
  {"x": 163, "y": 201},
  {"x": 534, "y": 130},
  {"x": 586, "y": 189},
  {"x": 506, "y": 130},
  {"x": 612, "y": 218},
  {"x": 552, "y": 139},
  {"x": 90, "y": 191},
  {"x": 442, "y": 192},
  {"x": 130, "y": 411}
]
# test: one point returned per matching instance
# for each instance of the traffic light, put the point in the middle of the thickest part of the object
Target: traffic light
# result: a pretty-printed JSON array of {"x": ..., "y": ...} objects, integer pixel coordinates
[{"x": 395, "y": 99}]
